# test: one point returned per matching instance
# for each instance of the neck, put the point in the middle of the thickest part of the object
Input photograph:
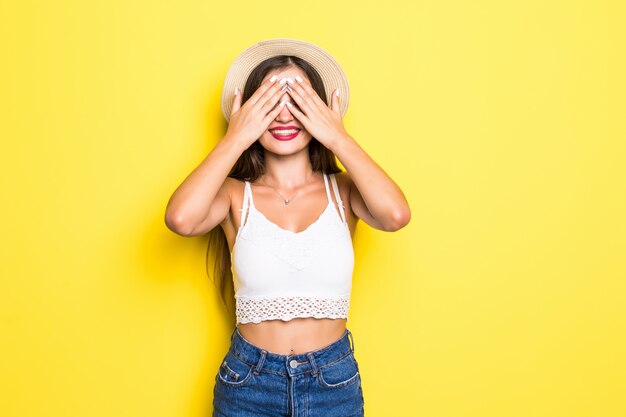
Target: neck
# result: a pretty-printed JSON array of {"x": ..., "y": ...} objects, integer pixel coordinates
[{"x": 288, "y": 171}]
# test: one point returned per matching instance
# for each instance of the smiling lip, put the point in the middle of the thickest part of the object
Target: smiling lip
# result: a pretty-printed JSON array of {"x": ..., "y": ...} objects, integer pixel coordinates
[{"x": 281, "y": 136}]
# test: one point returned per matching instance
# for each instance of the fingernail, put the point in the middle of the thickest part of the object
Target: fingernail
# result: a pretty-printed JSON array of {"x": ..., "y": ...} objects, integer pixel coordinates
[
  {"x": 282, "y": 103},
  {"x": 282, "y": 81},
  {"x": 337, "y": 92},
  {"x": 289, "y": 104},
  {"x": 298, "y": 78},
  {"x": 236, "y": 91},
  {"x": 274, "y": 77},
  {"x": 290, "y": 81},
  {"x": 289, "y": 88}
]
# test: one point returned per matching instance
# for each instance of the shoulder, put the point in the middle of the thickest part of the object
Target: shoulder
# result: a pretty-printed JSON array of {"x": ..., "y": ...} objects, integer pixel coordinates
[
  {"x": 232, "y": 189},
  {"x": 344, "y": 182},
  {"x": 345, "y": 185},
  {"x": 233, "y": 186}
]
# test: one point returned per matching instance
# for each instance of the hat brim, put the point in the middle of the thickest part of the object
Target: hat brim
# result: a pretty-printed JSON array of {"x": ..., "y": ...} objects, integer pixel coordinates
[{"x": 328, "y": 68}]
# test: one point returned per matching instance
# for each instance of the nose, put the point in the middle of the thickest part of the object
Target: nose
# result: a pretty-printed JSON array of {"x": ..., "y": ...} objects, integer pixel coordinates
[{"x": 285, "y": 115}]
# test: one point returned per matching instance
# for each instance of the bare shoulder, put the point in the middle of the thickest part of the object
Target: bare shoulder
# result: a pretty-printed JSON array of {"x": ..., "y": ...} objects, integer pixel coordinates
[
  {"x": 233, "y": 188},
  {"x": 233, "y": 185},
  {"x": 344, "y": 182},
  {"x": 345, "y": 185}
]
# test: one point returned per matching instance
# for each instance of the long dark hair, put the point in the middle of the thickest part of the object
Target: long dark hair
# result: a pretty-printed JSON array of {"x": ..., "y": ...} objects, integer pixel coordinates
[{"x": 251, "y": 165}]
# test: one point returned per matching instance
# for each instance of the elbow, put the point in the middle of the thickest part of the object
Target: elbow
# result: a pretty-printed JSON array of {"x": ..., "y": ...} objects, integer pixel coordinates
[
  {"x": 176, "y": 223},
  {"x": 399, "y": 219}
]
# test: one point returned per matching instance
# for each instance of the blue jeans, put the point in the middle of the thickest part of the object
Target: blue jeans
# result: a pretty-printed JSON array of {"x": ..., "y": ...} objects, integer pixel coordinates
[{"x": 253, "y": 382}]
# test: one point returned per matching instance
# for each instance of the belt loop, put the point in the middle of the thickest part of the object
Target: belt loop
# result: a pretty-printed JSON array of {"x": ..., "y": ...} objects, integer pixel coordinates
[
  {"x": 313, "y": 364},
  {"x": 233, "y": 333},
  {"x": 352, "y": 339},
  {"x": 259, "y": 365}
]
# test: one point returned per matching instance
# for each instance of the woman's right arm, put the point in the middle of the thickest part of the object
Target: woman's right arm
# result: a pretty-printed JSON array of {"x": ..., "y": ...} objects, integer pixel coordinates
[{"x": 203, "y": 201}]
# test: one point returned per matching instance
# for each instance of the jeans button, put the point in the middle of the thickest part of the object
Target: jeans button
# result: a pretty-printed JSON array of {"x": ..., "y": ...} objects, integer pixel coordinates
[{"x": 293, "y": 363}]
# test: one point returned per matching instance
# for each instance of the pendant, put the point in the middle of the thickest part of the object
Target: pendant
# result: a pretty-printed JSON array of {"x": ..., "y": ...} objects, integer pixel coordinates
[{"x": 286, "y": 201}]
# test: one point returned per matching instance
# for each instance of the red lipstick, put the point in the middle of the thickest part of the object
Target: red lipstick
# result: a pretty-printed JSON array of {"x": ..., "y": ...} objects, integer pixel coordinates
[{"x": 284, "y": 132}]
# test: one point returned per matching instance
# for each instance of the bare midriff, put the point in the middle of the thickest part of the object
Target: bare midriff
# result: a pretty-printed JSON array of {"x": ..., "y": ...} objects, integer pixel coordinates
[{"x": 296, "y": 336}]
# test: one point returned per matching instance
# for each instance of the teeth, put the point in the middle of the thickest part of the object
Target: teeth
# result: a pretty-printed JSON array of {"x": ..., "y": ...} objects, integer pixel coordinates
[{"x": 284, "y": 132}]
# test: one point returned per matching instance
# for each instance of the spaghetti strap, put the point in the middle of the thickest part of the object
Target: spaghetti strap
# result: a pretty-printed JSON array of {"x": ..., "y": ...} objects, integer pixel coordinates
[
  {"x": 333, "y": 180},
  {"x": 247, "y": 197},
  {"x": 250, "y": 198},
  {"x": 327, "y": 189}
]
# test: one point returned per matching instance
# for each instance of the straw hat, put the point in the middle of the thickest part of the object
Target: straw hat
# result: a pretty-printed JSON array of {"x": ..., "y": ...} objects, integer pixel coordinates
[{"x": 327, "y": 67}]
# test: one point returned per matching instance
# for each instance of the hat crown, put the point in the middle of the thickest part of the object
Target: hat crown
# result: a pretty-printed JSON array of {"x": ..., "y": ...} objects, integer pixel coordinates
[{"x": 327, "y": 67}]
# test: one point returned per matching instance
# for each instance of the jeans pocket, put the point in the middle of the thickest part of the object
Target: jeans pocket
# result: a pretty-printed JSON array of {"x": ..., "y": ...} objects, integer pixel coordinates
[
  {"x": 341, "y": 373},
  {"x": 233, "y": 371}
]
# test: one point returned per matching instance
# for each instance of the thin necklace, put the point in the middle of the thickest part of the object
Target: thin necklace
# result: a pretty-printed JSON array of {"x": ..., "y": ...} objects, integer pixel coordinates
[{"x": 285, "y": 200}]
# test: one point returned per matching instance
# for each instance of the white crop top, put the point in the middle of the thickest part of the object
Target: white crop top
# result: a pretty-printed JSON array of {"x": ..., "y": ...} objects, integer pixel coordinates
[{"x": 281, "y": 274}]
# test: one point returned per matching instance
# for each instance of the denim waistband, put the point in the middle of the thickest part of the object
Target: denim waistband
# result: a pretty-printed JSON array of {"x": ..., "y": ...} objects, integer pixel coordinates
[{"x": 292, "y": 364}]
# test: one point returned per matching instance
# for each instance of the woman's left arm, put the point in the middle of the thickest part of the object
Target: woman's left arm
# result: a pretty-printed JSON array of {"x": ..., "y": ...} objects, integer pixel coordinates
[{"x": 374, "y": 196}]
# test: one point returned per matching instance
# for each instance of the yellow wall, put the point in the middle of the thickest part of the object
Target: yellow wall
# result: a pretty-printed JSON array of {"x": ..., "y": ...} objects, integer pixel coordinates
[{"x": 501, "y": 120}]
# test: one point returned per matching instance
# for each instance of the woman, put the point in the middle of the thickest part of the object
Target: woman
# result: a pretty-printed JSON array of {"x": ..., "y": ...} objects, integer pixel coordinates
[{"x": 265, "y": 184}]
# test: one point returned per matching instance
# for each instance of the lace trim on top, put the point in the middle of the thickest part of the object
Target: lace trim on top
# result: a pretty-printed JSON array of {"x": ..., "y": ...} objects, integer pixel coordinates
[
  {"x": 255, "y": 310},
  {"x": 297, "y": 250}
]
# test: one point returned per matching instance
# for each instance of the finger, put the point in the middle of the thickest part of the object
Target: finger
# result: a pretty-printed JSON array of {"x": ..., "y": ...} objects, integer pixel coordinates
[
  {"x": 265, "y": 85},
  {"x": 268, "y": 96},
  {"x": 272, "y": 115},
  {"x": 236, "y": 101},
  {"x": 299, "y": 115},
  {"x": 302, "y": 103},
  {"x": 271, "y": 102},
  {"x": 306, "y": 90},
  {"x": 334, "y": 101}
]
